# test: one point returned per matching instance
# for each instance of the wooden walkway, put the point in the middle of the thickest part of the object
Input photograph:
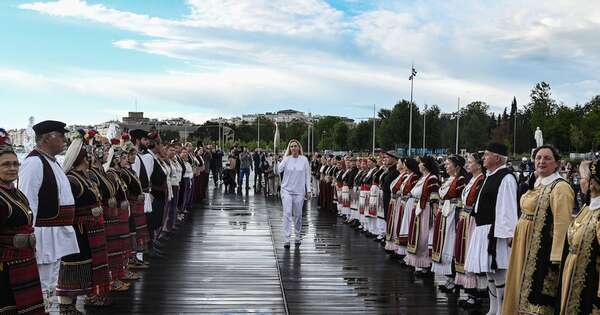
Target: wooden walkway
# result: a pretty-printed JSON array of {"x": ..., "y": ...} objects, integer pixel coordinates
[{"x": 229, "y": 259}]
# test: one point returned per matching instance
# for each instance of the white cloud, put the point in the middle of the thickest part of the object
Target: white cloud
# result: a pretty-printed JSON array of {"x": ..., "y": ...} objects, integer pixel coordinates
[{"x": 304, "y": 52}]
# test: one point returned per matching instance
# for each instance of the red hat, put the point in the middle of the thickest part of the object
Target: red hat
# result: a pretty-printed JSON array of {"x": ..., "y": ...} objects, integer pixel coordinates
[{"x": 115, "y": 141}]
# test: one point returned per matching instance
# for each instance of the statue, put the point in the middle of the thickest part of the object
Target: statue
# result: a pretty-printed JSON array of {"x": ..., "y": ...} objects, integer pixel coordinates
[
  {"x": 29, "y": 142},
  {"x": 539, "y": 137}
]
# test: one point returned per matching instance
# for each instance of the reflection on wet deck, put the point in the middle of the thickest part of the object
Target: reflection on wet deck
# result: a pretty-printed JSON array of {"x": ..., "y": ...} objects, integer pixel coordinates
[{"x": 229, "y": 259}]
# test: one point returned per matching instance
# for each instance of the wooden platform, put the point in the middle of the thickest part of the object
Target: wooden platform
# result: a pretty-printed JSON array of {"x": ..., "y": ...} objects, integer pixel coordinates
[{"x": 229, "y": 259}]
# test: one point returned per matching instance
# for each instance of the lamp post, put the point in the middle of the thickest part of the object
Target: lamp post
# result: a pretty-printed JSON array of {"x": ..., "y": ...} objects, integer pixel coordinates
[
  {"x": 413, "y": 74},
  {"x": 457, "y": 123},
  {"x": 424, "y": 128}
]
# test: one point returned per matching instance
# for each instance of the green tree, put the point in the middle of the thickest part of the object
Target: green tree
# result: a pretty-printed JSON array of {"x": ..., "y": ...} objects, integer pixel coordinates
[
  {"x": 340, "y": 135},
  {"x": 475, "y": 123},
  {"x": 360, "y": 137}
]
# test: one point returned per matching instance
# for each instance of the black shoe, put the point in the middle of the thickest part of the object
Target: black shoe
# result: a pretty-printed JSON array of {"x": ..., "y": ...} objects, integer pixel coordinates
[
  {"x": 470, "y": 303},
  {"x": 297, "y": 243},
  {"x": 423, "y": 273},
  {"x": 286, "y": 246}
]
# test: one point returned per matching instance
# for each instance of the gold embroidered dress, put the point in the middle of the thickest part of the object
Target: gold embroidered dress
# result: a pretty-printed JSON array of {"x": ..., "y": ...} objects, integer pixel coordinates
[
  {"x": 532, "y": 279},
  {"x": 581, "y": 267}
]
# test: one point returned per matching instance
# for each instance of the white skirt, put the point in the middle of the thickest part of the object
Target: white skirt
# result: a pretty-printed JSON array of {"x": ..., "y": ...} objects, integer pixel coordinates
[
  {"x": 478, "y": 260},
  {"x": 444, "y": 267}
]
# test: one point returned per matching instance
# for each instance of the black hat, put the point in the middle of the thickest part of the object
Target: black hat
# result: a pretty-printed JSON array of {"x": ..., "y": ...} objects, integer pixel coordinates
[
  {"x": 391, "y": 154},
  {"x": 138, "y": 133},
  {"x": 497, "y": 148},
  {"x": 48, "y": 126},
  {"x": 457, "y": 160}
]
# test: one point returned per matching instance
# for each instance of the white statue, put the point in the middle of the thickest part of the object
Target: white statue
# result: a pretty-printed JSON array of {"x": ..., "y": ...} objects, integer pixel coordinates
[
  {"x": 539, "y": 137},
  {"x": 29, "y": 142}
]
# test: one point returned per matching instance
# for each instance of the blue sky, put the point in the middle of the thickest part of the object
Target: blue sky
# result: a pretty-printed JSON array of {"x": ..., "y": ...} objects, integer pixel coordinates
[{"x": 90, "y": 61}]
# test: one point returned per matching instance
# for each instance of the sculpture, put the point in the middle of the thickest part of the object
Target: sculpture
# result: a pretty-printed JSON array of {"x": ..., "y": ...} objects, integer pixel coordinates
[{"x": 539, "y": 137}]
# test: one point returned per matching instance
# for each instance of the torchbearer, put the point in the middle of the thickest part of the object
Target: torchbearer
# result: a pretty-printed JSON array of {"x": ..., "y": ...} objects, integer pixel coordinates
[{"x": 295, "y": 188}]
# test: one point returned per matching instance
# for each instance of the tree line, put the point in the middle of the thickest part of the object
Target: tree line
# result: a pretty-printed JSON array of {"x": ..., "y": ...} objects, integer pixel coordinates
[{"x": 569, "y": 128}]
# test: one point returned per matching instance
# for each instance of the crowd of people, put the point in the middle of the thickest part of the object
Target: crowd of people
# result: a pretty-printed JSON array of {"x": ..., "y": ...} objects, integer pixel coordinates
[
  {"x": 519, "y": 239},
  {"x": 81, "y": 228},
  {"x": 525, "y": 237}
]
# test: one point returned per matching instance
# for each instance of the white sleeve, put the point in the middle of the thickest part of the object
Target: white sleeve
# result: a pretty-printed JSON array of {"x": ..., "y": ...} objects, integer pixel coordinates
[
  {"x": 281, "y": 165},
  {"x": 31, "y": 175},
  {"x": 136, "y": 166},
  {"x": 148, "y": 161},
  {"x": 506, "y": 208},
  {"x": 308, "y": 175}
]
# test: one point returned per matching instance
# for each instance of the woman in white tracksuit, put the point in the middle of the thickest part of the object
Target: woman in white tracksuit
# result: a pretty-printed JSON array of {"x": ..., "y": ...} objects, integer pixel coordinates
[{"x": 295, "y": 187}]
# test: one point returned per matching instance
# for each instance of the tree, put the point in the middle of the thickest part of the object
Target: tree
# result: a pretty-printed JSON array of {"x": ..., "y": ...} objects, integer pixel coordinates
[
  {"x": 576, "y": 137},
  {"x": 360, "y": 137},
  {"x": 475, "y": 123},
  {"x": 340, "y": 135}
]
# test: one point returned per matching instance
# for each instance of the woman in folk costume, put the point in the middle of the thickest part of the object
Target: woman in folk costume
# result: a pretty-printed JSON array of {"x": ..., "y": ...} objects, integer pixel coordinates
[
  {"x": 413, "y": 174},
  {"x": 84, "y": 273},
  {"x": 581, "y": 270},
  {"x": 327, "y": 187},
  {"x": 532, "y": 283},
  {"x": 138, "y": 226},
  {"x": 426, "y": 198},
  {"x": 465, "y": 226},
  {"x": 322, "y": 171},
  {"x": 369, "y": 165},
  {"x": 339, "y": 184},
  {"x": 117, "y": 222},
  {"x": 370, "y": 199},
  {"x": 354, "y": 194},
  {"x": 444, "y": 225},
  {"x": 391, "y": 235},
  {"x": 295, "y": 188},
  {"x": 347, "y": 188},
  {"x": 375, "y": 200},
  {"x": 19, "y": 279}
]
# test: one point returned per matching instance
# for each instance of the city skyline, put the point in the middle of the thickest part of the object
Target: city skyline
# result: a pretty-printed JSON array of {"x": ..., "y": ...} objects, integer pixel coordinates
[{"x": 86, "y": 62}]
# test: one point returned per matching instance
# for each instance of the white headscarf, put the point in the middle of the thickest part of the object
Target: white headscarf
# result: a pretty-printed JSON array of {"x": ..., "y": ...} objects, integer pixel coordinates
[
  {"x": 72, "y": 154},
  {"x": 288, "y": 151}
]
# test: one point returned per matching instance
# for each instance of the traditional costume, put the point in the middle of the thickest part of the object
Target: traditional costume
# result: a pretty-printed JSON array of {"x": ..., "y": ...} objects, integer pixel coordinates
[
  {"x": 391, "y": 234},
  {"x": 387, "y": 177},
  {"x": 495, "y": 218},
  {"x": 47, "y": 188},
  {"x": 537, "y": 247},
  {"x": 20, "y": 288},
  {"x": 406, "y": 204}
]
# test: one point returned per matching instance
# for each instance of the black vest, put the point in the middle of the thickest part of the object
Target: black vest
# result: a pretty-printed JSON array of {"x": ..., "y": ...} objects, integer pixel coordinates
[
  {"x": 143, "y": 175},
  {"x": 488, "y": 197},
  {"x": 158, "y": 180}
]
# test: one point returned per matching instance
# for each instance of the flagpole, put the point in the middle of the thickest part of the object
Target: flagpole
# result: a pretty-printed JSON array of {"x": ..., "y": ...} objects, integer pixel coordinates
[
  {"x": 457, "y": 123},
  {"x": 515, "y": 132},
  {"x": 412, "y": 79},
  {"x": 424, "y": 127}
]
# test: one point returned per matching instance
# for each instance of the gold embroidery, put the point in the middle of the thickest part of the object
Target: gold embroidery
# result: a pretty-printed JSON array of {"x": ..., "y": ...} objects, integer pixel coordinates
[
  {"x": 549, "y": 287},
  {"x": 582, "y": 252},
  {"x": 531, "y": 257}
]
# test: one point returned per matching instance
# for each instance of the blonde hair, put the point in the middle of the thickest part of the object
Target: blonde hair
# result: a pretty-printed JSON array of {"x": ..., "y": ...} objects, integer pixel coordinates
[{"x": 288, "y": 151}]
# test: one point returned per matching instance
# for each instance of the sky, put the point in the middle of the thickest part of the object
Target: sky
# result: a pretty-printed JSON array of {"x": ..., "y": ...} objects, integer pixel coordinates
[{"x": 86, "y": 62}]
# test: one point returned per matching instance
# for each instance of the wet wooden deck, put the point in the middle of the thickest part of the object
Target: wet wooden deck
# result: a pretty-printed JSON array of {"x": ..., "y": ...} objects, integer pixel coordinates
[{"x": 229, "y": 259}]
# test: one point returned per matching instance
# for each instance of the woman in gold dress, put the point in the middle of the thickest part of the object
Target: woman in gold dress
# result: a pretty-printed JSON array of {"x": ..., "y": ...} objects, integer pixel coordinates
[
  {"x": 533, "y": 272},
  {"x": 581, "y": 267}
]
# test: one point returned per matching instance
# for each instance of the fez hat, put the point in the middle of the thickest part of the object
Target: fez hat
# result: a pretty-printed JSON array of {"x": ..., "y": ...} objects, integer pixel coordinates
[
  {"x": 138, "y": 133},
  {"x": 391, "y": 154},
  {"x": 497, "y": 148},
  {"x": 48, "y": 126}
]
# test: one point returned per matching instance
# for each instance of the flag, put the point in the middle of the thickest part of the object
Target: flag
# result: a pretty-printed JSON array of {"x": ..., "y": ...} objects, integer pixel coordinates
[
  {"x": 276, "y": 138},
  {"x": 413, "y": 73}
]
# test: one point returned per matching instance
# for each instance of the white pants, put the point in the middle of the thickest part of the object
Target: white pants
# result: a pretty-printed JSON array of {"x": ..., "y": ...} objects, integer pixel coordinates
[
  {"x": 292, "y": 210},
  {"x": 49, "y": 275}
]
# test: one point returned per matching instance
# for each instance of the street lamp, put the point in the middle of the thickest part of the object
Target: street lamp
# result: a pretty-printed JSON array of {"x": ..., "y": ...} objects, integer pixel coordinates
[
  {"x": 457, "y": 123},
  {"x": 413, "y": 74}
]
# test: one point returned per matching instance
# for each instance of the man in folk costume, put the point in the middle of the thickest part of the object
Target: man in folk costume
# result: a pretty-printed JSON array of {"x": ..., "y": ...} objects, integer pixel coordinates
[
  {"x": 158, "y": 191},
  {"x": 387, "y": 177},
  {"x": 19, "y": 278},
  {"x": 330, "y": 183},
  {"x": 444, "y": 224},
  {"x": 413, "y": 174},
  {"x": 339, "y": 184},
  {"x": 46, "y": 186},
  {"x": 142, "y": 162},
  {"x": 495, "y": 217},
  {"x": 322, "y": 192},
  {"x": 348, "y": 187},
  {"x": 395, "y": 201},
  {"x": 419, "y": 235}
]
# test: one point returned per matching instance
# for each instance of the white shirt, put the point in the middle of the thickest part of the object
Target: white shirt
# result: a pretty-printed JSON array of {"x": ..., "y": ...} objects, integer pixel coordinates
[
  {"x": 296, "y": 175},
  {"x": 55, "y": 242},
  {"x": 506, "y": 205},
  {"x": 176, "y": 173},
  {"x": 595, "y": 203}
]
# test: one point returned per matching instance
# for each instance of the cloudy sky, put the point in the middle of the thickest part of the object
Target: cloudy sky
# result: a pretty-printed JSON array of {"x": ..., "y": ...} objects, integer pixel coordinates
[{"x": 91, "y": 61}]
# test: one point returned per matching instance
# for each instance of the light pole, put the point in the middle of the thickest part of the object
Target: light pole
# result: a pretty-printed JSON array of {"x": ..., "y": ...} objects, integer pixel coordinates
[
  {"x": 413, "y": 74},
  {"x": 515, "y": 132},
  {"x": 424, "y": 127},
  {"x": 374, "y": 119},
  {"x": 457, "y": 123},
  {"x": 258, "y": 130}
]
